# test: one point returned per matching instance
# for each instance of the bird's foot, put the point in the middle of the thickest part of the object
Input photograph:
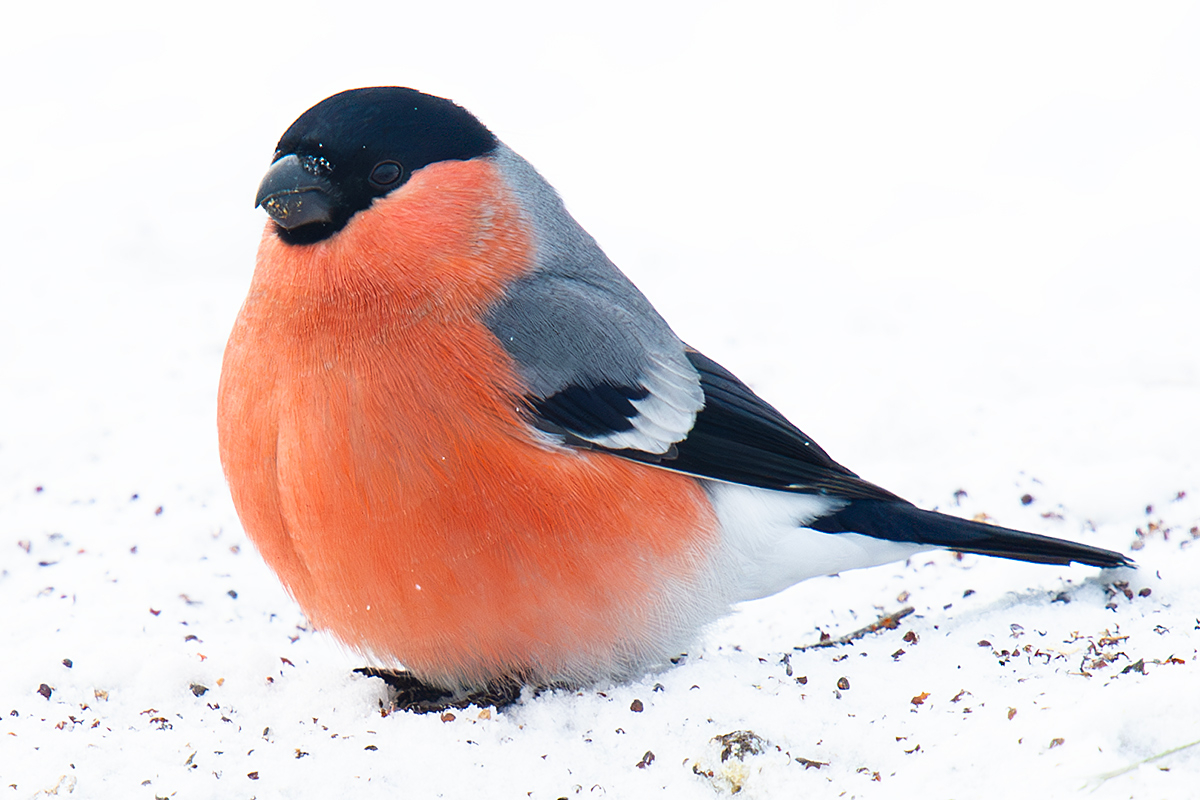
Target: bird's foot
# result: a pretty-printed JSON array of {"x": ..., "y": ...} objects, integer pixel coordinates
[{"x": 408, "y": 693}]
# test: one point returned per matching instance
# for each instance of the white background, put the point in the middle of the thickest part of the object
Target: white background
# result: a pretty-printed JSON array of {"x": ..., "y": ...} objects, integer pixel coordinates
[{"x": 958, "y": 245}]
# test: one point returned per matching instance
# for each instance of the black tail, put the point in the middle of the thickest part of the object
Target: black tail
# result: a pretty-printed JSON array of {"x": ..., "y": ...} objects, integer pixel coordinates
[{"x": 904, "y": 522}]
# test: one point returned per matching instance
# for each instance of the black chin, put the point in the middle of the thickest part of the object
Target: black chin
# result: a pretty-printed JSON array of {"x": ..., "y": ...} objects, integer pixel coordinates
[{"x": 307, "y": 234}]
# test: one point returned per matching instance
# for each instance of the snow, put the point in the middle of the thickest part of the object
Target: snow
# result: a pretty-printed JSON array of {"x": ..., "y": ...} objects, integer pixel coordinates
[{"x": 955, "y": 243}]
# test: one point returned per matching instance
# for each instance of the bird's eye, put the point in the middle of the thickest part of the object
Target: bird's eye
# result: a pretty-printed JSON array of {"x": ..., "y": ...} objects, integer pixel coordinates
[{"x": 386, "y": 173}]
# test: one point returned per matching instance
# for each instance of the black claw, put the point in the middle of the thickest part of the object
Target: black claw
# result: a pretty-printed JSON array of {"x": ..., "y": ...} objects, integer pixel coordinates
[{"x": 411, "y": 694}]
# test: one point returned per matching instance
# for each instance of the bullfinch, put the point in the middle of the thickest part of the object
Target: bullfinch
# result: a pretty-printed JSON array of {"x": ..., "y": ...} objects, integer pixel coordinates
[{"x": 468, "y": 445}]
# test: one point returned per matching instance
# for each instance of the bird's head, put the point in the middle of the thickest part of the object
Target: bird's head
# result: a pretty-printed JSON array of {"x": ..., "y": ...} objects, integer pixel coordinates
[{"x": 356, "y": 146}]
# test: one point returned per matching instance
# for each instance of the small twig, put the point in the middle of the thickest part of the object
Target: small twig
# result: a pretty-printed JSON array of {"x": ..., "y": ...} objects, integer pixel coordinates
[
  {"x": 887, "y": 622},
  {"x": 1100, "y": 779}
]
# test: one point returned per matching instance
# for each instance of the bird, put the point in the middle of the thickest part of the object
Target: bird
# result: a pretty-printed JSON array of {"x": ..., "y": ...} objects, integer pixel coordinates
[{"x": 471, "y": 449}]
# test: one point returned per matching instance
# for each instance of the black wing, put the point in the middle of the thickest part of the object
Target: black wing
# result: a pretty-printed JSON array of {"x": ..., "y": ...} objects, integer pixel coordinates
[{"x": 737, "y": 437}]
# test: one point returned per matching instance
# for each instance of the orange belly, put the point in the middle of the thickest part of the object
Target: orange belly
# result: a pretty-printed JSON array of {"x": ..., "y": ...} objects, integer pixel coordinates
[{"x": 372, "y": 433}]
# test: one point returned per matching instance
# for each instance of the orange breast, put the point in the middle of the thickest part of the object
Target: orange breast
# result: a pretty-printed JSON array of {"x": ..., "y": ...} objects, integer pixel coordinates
[{"x": 371, "y": 431}]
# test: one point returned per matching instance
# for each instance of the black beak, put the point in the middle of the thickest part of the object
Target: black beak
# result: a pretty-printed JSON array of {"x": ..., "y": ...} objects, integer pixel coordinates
[{"x": 293, "y": 196}]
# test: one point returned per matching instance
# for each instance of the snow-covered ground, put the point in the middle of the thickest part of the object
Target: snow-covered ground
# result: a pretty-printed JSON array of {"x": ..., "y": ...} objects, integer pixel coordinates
[{"x": 958, "y": 245}]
